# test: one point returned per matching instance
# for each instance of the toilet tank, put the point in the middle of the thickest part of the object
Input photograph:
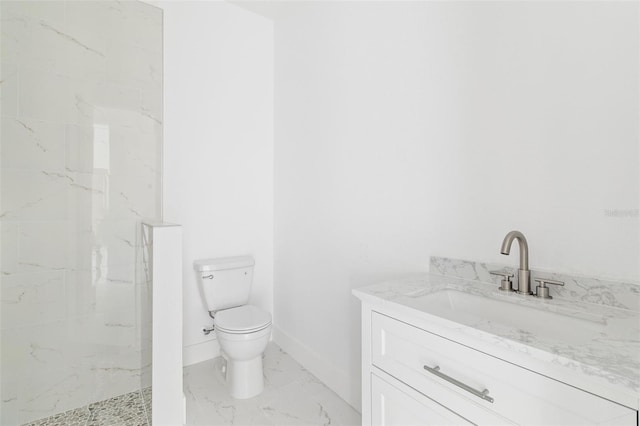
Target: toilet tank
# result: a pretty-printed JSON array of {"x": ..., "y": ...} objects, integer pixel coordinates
[{"x": 225, "y": 282}]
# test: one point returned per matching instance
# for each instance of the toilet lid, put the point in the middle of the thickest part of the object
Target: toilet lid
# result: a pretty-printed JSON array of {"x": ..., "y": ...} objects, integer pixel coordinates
[{"x": 242, "y": 319}]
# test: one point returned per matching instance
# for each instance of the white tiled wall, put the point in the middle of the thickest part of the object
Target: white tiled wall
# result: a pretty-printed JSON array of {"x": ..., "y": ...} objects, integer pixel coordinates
[{"x": 80, "y": 156}]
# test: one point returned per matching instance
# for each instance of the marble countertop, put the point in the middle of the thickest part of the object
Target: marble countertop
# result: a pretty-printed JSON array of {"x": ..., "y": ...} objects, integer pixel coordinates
[{"x": 603, "y": 357}]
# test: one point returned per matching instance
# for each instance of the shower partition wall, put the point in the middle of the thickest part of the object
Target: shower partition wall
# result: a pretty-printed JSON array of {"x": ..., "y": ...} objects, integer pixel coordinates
[{"x": 80, "y": 168}]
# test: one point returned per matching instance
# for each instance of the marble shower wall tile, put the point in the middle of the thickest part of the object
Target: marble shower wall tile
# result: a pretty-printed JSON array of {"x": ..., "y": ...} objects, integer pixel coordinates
[
  {"x": 9, "y": 242},
  {"x": 52, "y": 379},
  {"x": 140, "y": 29},
  {"x": 32, "y": 195},
  {"x": 43, "y": 95},
  {"x": 145, "y": 292},
  {"x": 66, "y": 364},
  {"x": 80, "y": 168},
  {"x": 28, "y": 30},
  {"x": 132, "y": 63},
  {"x": 624, "y": 295},
  {"x": 29, "y": 247},
  {"x": 8, "y": 88},
  {"x": 32, "y": 145},
  {"x": 139, "y": 156},
  {"x": 152, "y": 103},
  {"x": 10, "y": 377},
  {"x": 32, "y": 298},
  {"x": 101, "y": 103}
]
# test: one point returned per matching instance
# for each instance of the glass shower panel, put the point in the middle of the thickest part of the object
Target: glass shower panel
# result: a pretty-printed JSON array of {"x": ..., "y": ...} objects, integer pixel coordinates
[{"x": 80, "y": 168}]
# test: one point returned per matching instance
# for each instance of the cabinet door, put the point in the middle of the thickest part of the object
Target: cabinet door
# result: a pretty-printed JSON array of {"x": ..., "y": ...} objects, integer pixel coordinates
[
  {"x": 399, "y": 405},
  {"x": 519, "y": 395}
]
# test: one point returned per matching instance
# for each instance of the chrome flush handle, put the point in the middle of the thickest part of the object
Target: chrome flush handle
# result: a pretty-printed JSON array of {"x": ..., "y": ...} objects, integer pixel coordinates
[{"x": 208, "y": 277}]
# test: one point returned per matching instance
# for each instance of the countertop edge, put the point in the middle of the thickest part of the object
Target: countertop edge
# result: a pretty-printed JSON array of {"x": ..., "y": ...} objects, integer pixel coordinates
[{"x": 554, "y": 366}]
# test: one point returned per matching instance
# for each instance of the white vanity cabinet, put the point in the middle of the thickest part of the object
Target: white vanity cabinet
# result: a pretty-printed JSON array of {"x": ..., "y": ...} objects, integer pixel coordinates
[
  {"x": 413, "y": 376},
  {"x": 394, "y": 403}
]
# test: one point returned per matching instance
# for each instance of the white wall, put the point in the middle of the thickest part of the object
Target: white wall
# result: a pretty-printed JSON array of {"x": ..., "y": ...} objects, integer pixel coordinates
[
  {"x": 218, "y": 147},
  {"x": 408, "y": 129},
  {"x": 403, "y": 130}
]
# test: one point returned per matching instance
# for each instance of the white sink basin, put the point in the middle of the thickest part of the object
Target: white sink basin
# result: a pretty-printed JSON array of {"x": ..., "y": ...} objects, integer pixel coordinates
[{"x": 525, "y": 322}]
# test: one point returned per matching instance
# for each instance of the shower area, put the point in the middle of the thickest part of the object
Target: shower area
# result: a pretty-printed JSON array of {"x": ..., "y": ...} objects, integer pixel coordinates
[{"x": 80, "y": 170}]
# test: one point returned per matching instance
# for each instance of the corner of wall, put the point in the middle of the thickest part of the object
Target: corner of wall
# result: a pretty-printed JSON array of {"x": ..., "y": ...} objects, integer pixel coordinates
[
  {"x": 200, "y": 352},
  {"x": 347, "y": 388}
]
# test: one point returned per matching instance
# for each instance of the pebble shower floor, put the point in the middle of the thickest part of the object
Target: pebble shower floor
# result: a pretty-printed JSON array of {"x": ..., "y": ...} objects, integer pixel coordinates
[{"x": 130, "y": 409}]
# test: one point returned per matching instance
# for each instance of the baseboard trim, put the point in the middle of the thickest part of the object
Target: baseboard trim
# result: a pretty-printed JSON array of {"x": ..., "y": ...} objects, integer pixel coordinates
[
  {"x": 199, "y": 352},
  {"x": 336, "y": 380}
]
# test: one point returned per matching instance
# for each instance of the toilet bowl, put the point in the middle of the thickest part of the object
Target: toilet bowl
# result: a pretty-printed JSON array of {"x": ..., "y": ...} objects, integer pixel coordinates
[
  {"x": 243, "y": 333},
  {"x": 242, "y": 330}
]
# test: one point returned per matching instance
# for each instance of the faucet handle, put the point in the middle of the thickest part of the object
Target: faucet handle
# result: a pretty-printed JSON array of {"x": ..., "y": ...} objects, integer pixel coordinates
[
  {"x": 505, "y": 283},
  {"x": 542, "y": 291}
]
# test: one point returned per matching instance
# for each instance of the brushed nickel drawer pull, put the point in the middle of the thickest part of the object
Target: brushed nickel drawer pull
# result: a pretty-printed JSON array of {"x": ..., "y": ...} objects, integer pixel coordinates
[{"x": 484, "y": 394}]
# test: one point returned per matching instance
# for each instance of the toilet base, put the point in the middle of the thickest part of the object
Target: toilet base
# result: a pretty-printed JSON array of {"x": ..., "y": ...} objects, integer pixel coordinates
[
  {"x": 244, "y": 378},
  {"x": 243, "y": 352}
]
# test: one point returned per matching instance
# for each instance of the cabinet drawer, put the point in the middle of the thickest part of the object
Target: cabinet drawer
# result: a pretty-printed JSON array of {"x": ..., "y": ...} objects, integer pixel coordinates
[
  {"x": 518, "y": 395},
  {"x": 396, "y": 404}
]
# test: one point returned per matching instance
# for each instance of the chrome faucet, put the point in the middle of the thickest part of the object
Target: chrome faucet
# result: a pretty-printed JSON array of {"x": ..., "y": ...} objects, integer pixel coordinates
[{"x": 524, "y": 275}]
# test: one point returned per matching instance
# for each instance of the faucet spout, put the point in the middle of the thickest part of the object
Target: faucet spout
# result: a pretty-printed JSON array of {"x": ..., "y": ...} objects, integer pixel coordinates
[
  {"x": 524, "y": 280},
  {"x": 523, "y": 246}
]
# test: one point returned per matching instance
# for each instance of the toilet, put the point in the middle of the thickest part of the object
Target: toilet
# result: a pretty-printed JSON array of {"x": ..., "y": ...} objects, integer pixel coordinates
[{"x": 242, "y": 330}]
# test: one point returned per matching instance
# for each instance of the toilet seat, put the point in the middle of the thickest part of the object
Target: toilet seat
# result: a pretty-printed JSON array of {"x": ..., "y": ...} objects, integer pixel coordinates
[{"x": 242, "y": 320}]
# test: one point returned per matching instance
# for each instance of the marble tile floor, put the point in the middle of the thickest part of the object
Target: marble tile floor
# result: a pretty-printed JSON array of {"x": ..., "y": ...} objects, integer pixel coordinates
[
  {"x": 123, "y": 410},
  {"x": 292, "y": 396}
]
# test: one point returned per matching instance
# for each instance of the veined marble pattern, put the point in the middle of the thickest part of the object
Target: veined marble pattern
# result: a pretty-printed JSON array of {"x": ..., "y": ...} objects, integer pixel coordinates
[
  {"x": 292, "y": 396},
  {"x": 123, "y": 410},
  {"x": 625, "y": 295},
  {"x": 80, "y": 155},
  {"x": 602, "y": 356}
]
